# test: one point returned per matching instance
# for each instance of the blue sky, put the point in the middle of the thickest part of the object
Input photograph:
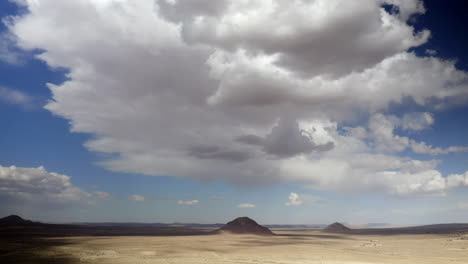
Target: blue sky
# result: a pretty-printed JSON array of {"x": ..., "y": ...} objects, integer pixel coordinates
[{"x": 159, "y": 106}]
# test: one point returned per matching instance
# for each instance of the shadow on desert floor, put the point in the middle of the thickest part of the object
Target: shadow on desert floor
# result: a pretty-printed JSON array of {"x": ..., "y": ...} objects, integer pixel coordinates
[{"x": 34, "y": 250}]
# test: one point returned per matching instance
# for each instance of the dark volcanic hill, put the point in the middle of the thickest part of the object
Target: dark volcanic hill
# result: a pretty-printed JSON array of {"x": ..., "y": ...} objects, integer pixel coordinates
[
  {"x": 14, "y": 220},
  {"x": 245, "y": 225},
  {"x": 337, "y": 228}
]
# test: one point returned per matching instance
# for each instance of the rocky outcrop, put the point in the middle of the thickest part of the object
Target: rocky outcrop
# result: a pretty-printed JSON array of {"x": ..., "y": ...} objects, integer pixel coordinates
[
  {"x": 245, "y": 225},
  {"x": 337, "y": 228},
  {"x": 14, "y": 220}
]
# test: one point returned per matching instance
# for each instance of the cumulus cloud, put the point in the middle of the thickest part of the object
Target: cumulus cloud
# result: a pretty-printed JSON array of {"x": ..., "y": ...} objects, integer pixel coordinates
[
  {"x": 424, "y": 148},
  {"x": 137, "y": 198},
  {"x": 192, "y": 202},
  {"x": 215, "y": 152},
  {"x": 246, "y": 205},
  {"x": 416, "y": 121},
  {"x": 36, "y": 186},
  {"x": 431, "y": 52},
  {"x": 294, "y": 200},
  {"x": 382, "y": 132},
  {"x": 309, "y": 37},
  {"x": 9, "y": 53},
  {"x": 12, "y": 96},
  {"x": 286, "y": 139},
  {"x": 383, "y": 127},
  {"x": 398, "y": 177},
  {"x": 250, "y": 92},
  {"x": 457, "y": 180},
  {"x": 177, "y": 10}
]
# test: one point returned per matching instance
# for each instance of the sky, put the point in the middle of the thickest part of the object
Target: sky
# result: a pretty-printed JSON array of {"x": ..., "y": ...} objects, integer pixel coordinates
[{"x": 200, "y": 111}]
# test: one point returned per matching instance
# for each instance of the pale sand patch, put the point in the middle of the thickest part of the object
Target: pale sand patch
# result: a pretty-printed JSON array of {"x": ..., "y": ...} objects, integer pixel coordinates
[
  {"x": 147, "y": 253},
  {"x": 288, "y": 247}
]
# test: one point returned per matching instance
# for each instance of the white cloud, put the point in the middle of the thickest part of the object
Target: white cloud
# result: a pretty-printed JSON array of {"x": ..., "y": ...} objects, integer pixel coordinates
[
  {"x": 424, "y": 148},
  {"x": 382, "y": 130},
  {"x": 250, "y": 92},
  {"x": 12, "y": 96},
  {"x": 294, "y": 200},
  {"x": 8, "y": 52},
  {"x": 137, "y": 198},
  {"x": 457, "y": 180},
  {"x": 416, "y": 121},
  {"x": 36, "y": 186},
  {"x": 431, "y": 52},
  {"x": 246, "y": 205},
  {"x": 399, "y": 177},
  {"x": 192, "y": 202},
  {"x": 315, "y": 37},
  {"x": 103, "y": 195}
]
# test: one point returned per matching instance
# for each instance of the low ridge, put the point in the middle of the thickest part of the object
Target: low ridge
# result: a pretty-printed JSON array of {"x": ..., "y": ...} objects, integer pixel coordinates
[
  {"x": 245, "y": 225},
  {"x": 337, "y": 228}
]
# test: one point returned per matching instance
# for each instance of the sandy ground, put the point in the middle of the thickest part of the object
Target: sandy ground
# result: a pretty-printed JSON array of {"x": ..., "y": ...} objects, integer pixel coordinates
[{"x": 288, "y": 246}]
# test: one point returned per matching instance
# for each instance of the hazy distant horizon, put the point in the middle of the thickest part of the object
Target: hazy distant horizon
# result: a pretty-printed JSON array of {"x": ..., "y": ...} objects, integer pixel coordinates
[{"x": 310, "y": 225}]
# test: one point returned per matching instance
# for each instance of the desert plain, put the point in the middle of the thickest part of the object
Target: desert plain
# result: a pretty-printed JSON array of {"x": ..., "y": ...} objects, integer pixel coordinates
[{"x": 286, "y": 246}]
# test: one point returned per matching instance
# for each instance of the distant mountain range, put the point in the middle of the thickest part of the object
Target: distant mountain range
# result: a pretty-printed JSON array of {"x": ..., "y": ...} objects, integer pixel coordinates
[
  {"x": 239, "y": 225},
  {"x": 147, "y": 224},
  {"x": 188, "y": 224}
]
